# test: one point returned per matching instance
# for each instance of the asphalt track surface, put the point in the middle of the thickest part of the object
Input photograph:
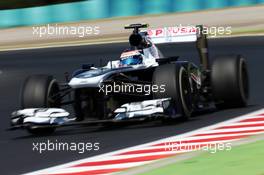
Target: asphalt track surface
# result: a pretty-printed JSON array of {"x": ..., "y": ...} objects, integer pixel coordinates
[{"x": 16, "y": 146}]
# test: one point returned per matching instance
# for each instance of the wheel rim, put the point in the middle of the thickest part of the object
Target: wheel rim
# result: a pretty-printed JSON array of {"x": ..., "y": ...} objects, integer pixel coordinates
[
  {"x": 53, "y": 90},
  {"x": 185, "y": 92},
  {"x": 243, "y": 80}
]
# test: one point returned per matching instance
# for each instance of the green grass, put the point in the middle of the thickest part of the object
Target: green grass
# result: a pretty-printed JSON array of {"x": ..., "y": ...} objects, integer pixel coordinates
[{"x": 241, "y": 160}]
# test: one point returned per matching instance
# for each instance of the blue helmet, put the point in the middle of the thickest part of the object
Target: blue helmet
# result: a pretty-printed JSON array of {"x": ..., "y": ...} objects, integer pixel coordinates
[{"x": 131, "y": 58}]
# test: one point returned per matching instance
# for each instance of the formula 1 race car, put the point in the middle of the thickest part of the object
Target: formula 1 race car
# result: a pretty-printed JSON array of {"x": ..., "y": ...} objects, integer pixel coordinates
[{"x": 141, "y": 85}]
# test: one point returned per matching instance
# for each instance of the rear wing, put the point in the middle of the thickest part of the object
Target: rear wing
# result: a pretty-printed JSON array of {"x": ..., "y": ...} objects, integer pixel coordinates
[
  {"x": 173, "y": 34},
  {"x": 183, "y": 34}
]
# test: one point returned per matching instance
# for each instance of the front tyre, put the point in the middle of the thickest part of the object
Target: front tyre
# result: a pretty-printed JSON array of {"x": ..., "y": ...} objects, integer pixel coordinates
[
  {"x": 230, "y": 84},
  {"x": 40, "y": 91},
  {"x": 175, "y": 77}
]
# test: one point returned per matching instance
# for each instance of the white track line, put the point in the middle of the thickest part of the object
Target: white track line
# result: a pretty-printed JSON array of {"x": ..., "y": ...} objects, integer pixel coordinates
[
  {"x": 92, "y": 168},
  {"x": 246, "y": 123},
  {"x": 100, "y": 42},
  {"x": 232, "y": 130}
]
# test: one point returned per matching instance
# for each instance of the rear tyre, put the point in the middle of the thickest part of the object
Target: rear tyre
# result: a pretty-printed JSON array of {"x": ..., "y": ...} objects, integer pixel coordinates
[
  {"x": 229, "y": 79},
  {"x": 38, "y": 92},
  {"x": 175, "y": 79}
]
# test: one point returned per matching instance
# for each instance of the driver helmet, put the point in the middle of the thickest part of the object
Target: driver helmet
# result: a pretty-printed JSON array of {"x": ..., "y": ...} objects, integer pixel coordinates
[{"x": 129, "y": 57}]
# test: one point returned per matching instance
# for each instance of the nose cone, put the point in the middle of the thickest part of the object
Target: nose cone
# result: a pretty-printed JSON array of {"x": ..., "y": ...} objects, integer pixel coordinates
[
  {"x": 85, "y": 82},
  {"x": 73, "y": 82}
]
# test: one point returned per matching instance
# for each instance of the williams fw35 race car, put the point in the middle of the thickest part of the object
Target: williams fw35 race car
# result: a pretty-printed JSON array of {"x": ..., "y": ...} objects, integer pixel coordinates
[{"x": 142, "y": 85}]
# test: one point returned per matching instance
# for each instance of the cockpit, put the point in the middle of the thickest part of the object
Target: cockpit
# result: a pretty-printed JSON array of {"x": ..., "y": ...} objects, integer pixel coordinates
[{"x": 133, "y": 57}]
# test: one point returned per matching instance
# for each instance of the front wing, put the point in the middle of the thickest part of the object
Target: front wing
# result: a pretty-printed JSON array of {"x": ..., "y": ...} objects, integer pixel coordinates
[{"x": 57, "y": 117}]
